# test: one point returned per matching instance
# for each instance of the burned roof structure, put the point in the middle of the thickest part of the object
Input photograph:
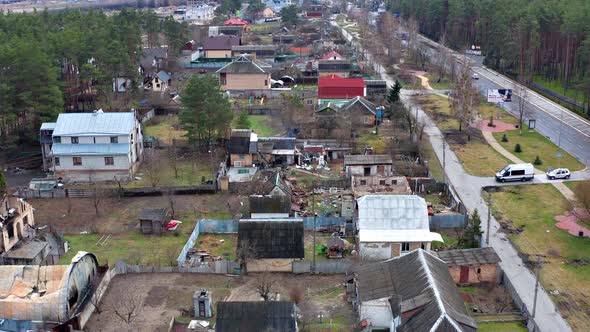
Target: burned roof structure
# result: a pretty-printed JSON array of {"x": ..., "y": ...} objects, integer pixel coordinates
[
  {"x": 243, "y": 141},
  {"x": 270, "y": 204},
  {"x": 476, "y": 256},
  {"x": 418, "y": 286},
  {"x": 272, "y": 238},
  {"x": 255, "y": 316}
]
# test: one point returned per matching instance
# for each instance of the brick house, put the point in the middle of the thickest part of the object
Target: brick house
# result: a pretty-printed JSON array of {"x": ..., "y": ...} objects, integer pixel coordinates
[
  {"x": 245, "y": 73},
  {"x": 472, "y": 266},
  {"x": 242, "y": 147}
]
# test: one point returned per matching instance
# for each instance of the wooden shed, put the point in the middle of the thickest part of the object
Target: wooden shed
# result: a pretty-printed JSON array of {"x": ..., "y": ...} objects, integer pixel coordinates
[
  {"x": 153, "y": 221},
  {"x": 472, "y": 266}
]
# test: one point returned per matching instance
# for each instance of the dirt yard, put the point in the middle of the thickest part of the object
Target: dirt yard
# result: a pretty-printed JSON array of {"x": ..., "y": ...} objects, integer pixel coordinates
[
  {"x": 161, "y": 296},
  {"x": 219, "y": 245}
]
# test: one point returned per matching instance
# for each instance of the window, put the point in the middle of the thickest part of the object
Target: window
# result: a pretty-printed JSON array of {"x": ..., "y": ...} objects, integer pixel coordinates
[
  {"x": 381, "y": 182},
  {"x": 242, "y": 157},
  {"x": 265, "y": 82},
  {"x": 363, "y": 182},
  {"x": 56, "y": 139},
  {"x": 158, "y": 86},
  {"x": 74, "y": 140},
  {"x": 517, "y": 172},
  {"x": 478, "y": 270},
  {"x": 405, "y": 246},
  {"x": 423, "y": 246},
  {"x": 309, "y": 102},
  {"x": 56, "y": 161},
  {"x": 109, "y": 161},
  {"x": 114, "y": 139},
  {"x": 367, "y": 120},
  {"x": 77, "y": 161}
]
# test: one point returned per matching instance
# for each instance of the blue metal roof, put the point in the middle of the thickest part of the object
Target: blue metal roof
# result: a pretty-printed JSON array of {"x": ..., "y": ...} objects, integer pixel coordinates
[
  {"x": 94, "y": 124},
  {"x": 60, "y": 149}
]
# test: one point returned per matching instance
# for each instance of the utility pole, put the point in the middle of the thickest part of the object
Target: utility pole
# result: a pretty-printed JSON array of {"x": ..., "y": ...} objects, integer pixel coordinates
[
  {"x": 537, "y": 271},
  {"x": 315, "y": 217},
  {"x": 489, "y": 217},
  {"x": 559, "y": 141}
]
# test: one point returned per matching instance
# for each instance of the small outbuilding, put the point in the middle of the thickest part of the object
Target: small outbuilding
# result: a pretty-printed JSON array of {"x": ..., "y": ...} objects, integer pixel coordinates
[
  {"x": 336, "y": 247},
  {"x": 256, "y": 316},
  {"x": 472, "y": 266},
  {"x": 153, "y": 221}
]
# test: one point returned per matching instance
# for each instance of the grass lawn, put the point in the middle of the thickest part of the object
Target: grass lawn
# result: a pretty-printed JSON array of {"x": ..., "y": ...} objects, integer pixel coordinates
[
  {"x": 320, "y": 241},
  {"x": 486, "y": 110},
  {"x": 265, "y": 26},
  {"x": 433, "y": 78},
  {"x": 164, "y": 128},
  {"x": 380, "y": 144},
  {"x": 557, "y": 86},
  {"x": 132, "y": 246},
  {"x": 439, "y": 110},
  {"x": 533, "y": 208},
  {"x": 534, "y": 144},
  {"x": 336, "y": 323},
  {"x": 502, "y": 327},
  {"x": 479, "y": 159},
  {"x": 261, "y": 124},
  {"x": 434, "y": 165},
  {"x": 213, "y": 244},
  {"x": 189, "y": 173}
]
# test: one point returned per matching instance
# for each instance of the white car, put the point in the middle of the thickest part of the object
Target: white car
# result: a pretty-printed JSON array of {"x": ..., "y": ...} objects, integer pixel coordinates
[
  {"x": 475, "y": 76},
  {"x": 559, "y": 173}
]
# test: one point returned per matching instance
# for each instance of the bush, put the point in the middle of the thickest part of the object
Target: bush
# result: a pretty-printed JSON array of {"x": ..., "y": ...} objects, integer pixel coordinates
[
  {"x": 504, "y": 138},
  {"x": 538, "y": 161},
  {"x": 517, "y": 148}
]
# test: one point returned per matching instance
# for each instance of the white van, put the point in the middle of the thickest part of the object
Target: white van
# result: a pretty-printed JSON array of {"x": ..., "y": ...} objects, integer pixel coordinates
[{"x": 516, "y": 172}]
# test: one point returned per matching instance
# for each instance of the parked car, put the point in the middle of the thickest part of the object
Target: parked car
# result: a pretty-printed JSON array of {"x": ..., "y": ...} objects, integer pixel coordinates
[
  {"x": 559, "y": 173},
  {"x": 475, "y": 76},
  {"x": 516, "y": 172}
]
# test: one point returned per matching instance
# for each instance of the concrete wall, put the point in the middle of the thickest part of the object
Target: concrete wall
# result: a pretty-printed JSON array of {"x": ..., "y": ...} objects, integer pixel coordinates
[
  {"x": 217, "y": 53},
  {"x": 246, "y": 82},
  {"x": 380, "y": 184},
  {"x": 376, "y": 312},
  {"x": 477, "y": 274},
  {"x": 272, "y": 265},
  {"x": 20, "y": 223},
  {"x": 385, "y": 250},
  {"x": 360, "y": 170}
]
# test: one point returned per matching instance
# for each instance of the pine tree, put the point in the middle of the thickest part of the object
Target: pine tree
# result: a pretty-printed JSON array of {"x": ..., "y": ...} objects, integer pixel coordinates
[
  {"x": 472, "y": 232},
  {"x": 393, "y": 96}
]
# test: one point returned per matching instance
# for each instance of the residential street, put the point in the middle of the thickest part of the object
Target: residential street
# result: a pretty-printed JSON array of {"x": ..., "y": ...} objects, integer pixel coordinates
[{"x": 469, "y": 190}]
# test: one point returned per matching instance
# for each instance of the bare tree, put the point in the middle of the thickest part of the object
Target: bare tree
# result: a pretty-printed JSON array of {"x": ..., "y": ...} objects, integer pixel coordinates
[
  {"x": 171, "y": 202},
  {"x": 127, "y": 306},
  {"x": 522, "y": 108},
  {"x": 96, "y": 194},
  {"x": 265, "y": 285},
  {"x": 152, "y": 167},
  {"x": 246, "y": 251},
  {"x": 463, "y": 96}
]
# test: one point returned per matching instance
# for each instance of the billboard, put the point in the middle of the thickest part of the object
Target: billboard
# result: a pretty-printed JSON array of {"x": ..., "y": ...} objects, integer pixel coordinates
[
  {"x": 499, "y": 95},
  {"x": 475, "y": 50}
]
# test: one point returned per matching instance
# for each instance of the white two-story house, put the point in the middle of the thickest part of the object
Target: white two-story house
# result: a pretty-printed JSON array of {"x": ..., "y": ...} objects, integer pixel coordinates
[{"x": 99, "y": 146}]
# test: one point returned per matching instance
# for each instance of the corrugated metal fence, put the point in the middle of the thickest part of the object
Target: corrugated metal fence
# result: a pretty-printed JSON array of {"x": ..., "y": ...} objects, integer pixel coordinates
[
  {"x": 189, "y": 244},
  {"x": 329, "y": 267}
]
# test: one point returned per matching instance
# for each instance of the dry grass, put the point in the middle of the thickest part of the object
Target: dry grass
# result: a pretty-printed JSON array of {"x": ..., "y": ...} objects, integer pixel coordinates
[
  {"x": 164, "y": 128},
  {"x": 533, "y": 208},
  {"x": 479, "y": 159}
]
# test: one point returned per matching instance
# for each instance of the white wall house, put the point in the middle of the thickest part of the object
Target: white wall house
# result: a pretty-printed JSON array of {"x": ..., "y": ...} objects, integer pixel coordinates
[
  {"x": 97, "y": 146},
  {"x": 393, "y": 225}
]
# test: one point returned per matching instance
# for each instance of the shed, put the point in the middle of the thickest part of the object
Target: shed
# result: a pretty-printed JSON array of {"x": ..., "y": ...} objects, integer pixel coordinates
[
  {"x": 256, "y": 316},
  {"x": 336, "y": 247},
  {"x": 367, "y": 165},
  {"x": 152, "y": 221},
  {"x": 472, "y": 266}
]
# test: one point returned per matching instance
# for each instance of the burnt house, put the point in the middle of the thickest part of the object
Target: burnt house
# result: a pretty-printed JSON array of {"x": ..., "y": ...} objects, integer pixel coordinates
[
  {"x": 271, "y": 183},
  {"x": 376, "y": 89},
  {"x": 472, "y": 266},
  {"x": 271, "y": 244},
  {"x": 414, "y": 292},
  {"x": 368, "y": 165},
  {"x": 256, "y": 316},
  {"x": 277, "y": 150},
  {"x": 153, "y": 60},
  {"x": 153, "y": 221}
]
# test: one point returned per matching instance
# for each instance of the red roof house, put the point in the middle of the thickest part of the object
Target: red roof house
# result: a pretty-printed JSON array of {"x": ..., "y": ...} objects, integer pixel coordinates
[
  {"x": 302, "y": 50},
  {"x": 336, "y": 87},
  {"x": 333, "y": 56},
  {"x": 235, "y": 21}
]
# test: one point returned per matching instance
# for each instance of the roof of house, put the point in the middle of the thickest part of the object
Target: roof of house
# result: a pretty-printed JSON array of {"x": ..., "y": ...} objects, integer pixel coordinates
[
  {"x": 276, "y": 145},
  {"x": 329, "y": 108},
  {"x": 363, "y": 103},
  {"x": 272, "y": 239},
  {"x": 332, "y": 56},
  {"x": 222, "y": 42},
  {"x": 426, "y": 288},
  {"x": 254, "y": 48},
  {"x": 367, "y": 159},
  {"x": 270, "y": 204},
  {"x": 255, "y": 316},
  {"x": 163, "y": 76},
  {"x": 335, "y": 241},
  {"x": 475, "y": 256},
  {"x": 392, "y": 212},
  {"x": 334, "y": 86},
  {"x": 94, "y": 124},
  {"x": 235, "y": 21},
  {"x": 243, "y": 64},
  {"x": 60, "y": 149},
  {"x": 48, "y": 126},
  {"x": 301, "y": 50},
  {"x": 242, "y": 141},
  {"x": 268, "y": 180},
  {"x": 153, "y": 214}
]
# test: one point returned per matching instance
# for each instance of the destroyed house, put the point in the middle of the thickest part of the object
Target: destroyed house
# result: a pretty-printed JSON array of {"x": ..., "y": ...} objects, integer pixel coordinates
[
  {"x": 153, "y": 221},
  {"x": 472, "y": 266},
  {"x": 256, "y": 316},
  {"x": 243, "y": 144},
  {"x": 410, "y": 293},
  {"x": 277, "y": 150},
  {"x": 273, "y": 244},
  {"x": 368, "y": 165},
  {"x": 271, "y": 183}
]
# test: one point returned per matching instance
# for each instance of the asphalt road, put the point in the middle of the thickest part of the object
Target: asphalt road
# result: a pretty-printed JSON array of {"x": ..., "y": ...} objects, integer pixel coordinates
[{"x": 469, "y": 188}]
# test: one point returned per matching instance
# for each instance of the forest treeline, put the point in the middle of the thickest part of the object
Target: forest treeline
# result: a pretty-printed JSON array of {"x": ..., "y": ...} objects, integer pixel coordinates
[
  {"x": 45, "y": 56},
  {"x": 524, "y": 38}
]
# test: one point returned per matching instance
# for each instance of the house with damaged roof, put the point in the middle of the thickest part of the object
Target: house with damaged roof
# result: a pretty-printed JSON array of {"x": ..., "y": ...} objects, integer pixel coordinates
[
  {"x": 270, "y": 244},
  {"x": 410, "y": 293},
  {"x": 245, "y": 73},
  {"x": 472, "y": 266}
]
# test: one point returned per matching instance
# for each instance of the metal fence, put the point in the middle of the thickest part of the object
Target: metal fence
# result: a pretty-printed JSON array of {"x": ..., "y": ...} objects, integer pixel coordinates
[
  {"x": 218, "y": 226},
  {"x": 329, "y": 267},
  {"x": 189, "y": 244},
  {"x": 580, "y": 108},
  {"x": 115, "y": 192}
]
